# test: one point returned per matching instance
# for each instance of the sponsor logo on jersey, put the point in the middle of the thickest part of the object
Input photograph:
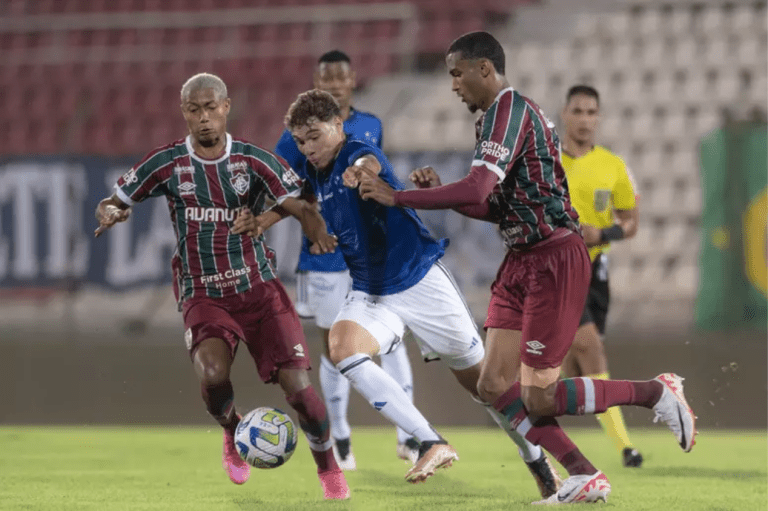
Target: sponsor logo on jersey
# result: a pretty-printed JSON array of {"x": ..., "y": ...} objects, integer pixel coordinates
[
  {"x": 130, "y": 177},
  {"x": 237, "y": 166},
  {"x": 227, "y": 278},
  {"x": 198, "y": 214},
  {"x": 187, "y": 188},
  {"x": 534, "y": 347},
  {"x": 183, "y": 169},
  {"x": 240, "y": 183},
  {"x": 494, "y": 149}
]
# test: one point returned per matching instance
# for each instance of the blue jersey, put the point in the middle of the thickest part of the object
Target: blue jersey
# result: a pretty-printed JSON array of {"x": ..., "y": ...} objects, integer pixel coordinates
[
  {"x": 358, "y": 126},
  {"x": 387, "y": 249}
]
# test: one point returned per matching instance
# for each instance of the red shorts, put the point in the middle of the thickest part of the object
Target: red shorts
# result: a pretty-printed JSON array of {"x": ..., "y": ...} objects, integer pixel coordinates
[
  {"x": 541, "y": 292},
  {"x": 263, "y": 318}
]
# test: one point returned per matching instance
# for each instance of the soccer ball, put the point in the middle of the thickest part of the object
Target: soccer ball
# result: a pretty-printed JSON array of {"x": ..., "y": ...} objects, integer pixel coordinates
[{"x": 266, "y": 437}]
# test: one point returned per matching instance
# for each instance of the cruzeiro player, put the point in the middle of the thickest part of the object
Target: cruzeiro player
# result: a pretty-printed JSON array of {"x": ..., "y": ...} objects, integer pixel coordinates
[
  {"x": 324, "y": 281},
  {"x": 517, "y": 180},
  {"x": 225, "y": 280},
  {"x": 603, "y": 193},
  {"x": 398, "y": 284}
]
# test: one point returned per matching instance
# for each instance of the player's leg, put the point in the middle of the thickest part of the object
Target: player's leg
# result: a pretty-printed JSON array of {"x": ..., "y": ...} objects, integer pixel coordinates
[
  {"x": 276, "y": 342},
  {"x": 364, "y": 329},
  {"x": 211, "y": 339},
  {"x": 328, "y": 291},
  {"x": 398, "y": 366}
]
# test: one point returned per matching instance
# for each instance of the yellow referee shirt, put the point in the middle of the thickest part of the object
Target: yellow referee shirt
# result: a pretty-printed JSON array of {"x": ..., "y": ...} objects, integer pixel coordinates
[{"x": 599, "y": 182}]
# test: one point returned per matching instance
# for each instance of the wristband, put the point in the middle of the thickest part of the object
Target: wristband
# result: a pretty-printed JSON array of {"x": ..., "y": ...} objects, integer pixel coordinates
[{"x": 612, "y": 233}]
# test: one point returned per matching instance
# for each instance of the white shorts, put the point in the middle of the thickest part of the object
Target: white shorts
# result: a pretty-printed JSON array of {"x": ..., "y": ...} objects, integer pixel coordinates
[
  {"x": 321, "y": 295},
  {"x": 434, "y": 310}
]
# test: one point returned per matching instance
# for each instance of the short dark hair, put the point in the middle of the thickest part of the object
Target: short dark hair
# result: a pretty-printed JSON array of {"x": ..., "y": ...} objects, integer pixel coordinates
[
  {"x": 310, "y": 105},
  {"x": 480, "y": 45},
  {"x": 334, "y": 56},
  {"x": 586, "y": 90}
]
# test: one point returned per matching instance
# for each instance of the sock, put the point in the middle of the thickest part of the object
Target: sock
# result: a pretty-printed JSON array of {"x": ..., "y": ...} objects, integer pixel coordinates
[
  {"x": 386, "y": 395},
  {"x": 580, "y": 396},
  {"x": 612, "y": 421},
  {"x": 220, "y": 402},
  {"x": 543, "y": 431},
  {"x": 336, "y": 393},
  {"x": 527, "y": 450},
  {"x": 313, "y": 420},
  {"x": 397, "y": 365}
]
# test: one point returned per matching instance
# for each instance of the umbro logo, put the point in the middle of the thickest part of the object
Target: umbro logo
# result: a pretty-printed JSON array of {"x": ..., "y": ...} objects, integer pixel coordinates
[
  {"x": 187, "y": 188},
  {"x": 299, "y": 349},
  {"x": 534, "y": 347},
  {"x": 379, "y": 405}
]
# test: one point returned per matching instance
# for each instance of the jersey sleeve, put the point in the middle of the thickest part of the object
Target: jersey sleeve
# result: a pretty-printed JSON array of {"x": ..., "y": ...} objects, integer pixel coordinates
[
  {"x": 147, "y": 178},
  {"x": 286, "y": 148},
  {"x": 279, "y": 178},
  {"x": 624, "y": 191},
  {"x": 380, "y": 140},
  {"x": 500, "y": 142}
]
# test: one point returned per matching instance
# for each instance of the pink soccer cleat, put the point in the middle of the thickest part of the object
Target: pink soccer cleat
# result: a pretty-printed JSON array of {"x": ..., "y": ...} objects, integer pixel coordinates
[
  {"x": 236, "y": 468},
  {"x": 334, "y": 485}
]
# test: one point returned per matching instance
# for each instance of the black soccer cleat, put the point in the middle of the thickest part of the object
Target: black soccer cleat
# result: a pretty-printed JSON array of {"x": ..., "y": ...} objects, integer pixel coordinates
[
  {"x": 546, "y": 476},
  {"x": 630, "y": 457}
]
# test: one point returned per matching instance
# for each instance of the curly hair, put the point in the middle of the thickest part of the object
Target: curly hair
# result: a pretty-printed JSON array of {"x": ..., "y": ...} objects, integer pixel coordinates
[{"x": 312, "y": 106}]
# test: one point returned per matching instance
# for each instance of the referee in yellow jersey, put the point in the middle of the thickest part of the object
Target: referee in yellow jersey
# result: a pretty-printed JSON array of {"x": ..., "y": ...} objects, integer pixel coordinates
[{"x": 603, "y": 193}]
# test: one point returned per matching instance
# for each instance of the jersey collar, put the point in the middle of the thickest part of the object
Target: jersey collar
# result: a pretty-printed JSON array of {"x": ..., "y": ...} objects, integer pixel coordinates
[
  {"x": 501, "y": 92},
  {"x": 191, "y": 150}
]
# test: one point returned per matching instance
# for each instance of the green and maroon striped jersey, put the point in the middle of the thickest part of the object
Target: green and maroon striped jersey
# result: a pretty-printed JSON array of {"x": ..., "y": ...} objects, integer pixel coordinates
[
  {"x": 516, "y": 141},
  {"x": 204, "y": 197}
]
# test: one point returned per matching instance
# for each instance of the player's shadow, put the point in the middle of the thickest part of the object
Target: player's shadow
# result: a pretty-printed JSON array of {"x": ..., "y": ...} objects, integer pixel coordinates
[
  {"x": 439, "y": 485},
  {"x": 702, "y": 472}
]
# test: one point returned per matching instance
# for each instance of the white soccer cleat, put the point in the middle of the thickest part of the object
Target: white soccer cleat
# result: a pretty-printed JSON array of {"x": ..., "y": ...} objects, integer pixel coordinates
[
  {"x": 673, "y": 409},
  {"x": 346, "y": 463},
  {"x": 581, "y": 489},
  {"x": 409, "y": 451}
]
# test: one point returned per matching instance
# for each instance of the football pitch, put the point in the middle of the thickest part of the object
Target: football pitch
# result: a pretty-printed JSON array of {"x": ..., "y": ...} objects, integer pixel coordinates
[{"x": 179, "y": 468}]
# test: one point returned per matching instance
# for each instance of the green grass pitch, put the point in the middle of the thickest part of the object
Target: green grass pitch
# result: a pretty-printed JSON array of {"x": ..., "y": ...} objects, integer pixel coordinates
[{"x": 179, "y": 468}]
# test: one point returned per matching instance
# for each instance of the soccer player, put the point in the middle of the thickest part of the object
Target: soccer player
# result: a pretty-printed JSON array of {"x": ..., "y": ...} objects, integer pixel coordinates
[
  {"x": 602, "y": 191},
  {"x": 538, "y": 297},
  {"x": 225, "y": 280},
  {"x": 324, "y": 281},
  {"x": 398, "y": 283}
]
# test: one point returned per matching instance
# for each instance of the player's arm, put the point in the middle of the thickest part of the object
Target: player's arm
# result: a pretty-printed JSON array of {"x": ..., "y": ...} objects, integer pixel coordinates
[
  {"x": 426, "y": 177},
  {"x": 247, "y": 223},
  {"x": 628, "y": 220},
  {"x": 110, "y": 211},
  {"x": 624, "y": 209},
  {"x": 312, "y": 223},
  {"x": 365, "y": 167}
]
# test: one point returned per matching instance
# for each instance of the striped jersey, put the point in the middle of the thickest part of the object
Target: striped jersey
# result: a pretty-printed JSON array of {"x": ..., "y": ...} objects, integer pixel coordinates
[
  {"x": 599, "y": 182},
  {"x": 516, "y": 141},
  {"x": 204, "y": 197}
]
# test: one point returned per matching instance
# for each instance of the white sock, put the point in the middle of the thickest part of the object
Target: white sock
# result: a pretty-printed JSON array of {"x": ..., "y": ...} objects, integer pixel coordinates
[
  {"x": 527, "y": 450},
  {"x": 386, "y": 395},
  {"x": 397, "y": 365},
  {"x": 336, "y": 395}
]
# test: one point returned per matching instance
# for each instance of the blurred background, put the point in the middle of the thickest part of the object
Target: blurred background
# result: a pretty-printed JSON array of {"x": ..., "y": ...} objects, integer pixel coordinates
[{"x": 89, "y": 331}]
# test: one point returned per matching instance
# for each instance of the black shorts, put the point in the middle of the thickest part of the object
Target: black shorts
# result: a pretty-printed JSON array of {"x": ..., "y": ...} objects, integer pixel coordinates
[{"x": 598, "y": 297}]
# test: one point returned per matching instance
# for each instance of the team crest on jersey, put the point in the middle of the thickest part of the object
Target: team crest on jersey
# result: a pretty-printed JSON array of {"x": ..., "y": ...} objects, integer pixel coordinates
[
  {"x": 240, "y": 183},
  {"x": 602, "y": 199}
]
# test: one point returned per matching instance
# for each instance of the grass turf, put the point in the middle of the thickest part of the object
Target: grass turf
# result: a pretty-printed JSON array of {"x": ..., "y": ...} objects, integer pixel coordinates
[{"x": 178, "y": 468}]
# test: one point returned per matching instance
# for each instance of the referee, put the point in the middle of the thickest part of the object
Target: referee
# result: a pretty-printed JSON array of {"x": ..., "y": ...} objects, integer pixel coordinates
[{"x": 603, "y": 192}]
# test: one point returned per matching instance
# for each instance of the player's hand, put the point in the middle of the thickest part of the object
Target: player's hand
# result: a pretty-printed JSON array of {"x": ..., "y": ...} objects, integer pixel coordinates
[
  {"x": 325, "y": 244},
  {"x": 248, "y": 224},
  {"x": 372, "y": 187},
  {"x": 591, "y": 235},
  {"x": 425, "y": 177},
  {"x": 351, "y": 176},
  {"x": 108, "y": 215}
]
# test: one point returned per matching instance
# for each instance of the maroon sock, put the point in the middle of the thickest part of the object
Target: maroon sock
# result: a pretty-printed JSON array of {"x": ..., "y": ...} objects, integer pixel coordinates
[
  {"x": 580, "y": 396},
  {"x": 220, "y": 403},
  {"x": 543, "y": 431},
  {"x": 313, "y": 420}
]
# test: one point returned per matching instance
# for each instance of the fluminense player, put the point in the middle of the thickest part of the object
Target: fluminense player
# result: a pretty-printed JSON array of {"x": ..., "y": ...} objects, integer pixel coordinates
[
  {"x": 323, "y": 280},
  {"x": 225, "y": 280},
  {"x": 517, "y": 181},
  {"x": 603, "y": 193},
  {"x": 398, "y": 283}
]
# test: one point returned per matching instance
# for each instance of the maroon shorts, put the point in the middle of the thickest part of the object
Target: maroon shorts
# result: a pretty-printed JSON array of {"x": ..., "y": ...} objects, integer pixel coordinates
[
  {"x": 263, "y": 318},
  {"x": 541, "y": 291}
]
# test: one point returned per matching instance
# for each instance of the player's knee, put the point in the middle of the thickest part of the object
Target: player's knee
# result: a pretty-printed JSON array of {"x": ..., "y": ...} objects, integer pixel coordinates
[
  {"x": 490, "y": 389},
  {"x": 538, "y": 402},
  {"x": 214, "y": 372},
  {"x": 339, "y": 348}
]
